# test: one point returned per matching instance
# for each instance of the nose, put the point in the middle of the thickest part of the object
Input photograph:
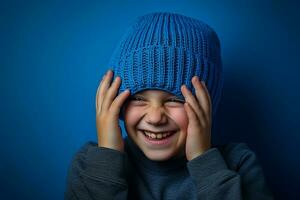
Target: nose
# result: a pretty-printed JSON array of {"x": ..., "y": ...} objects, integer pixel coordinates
[{"x": 156, "y": 116}]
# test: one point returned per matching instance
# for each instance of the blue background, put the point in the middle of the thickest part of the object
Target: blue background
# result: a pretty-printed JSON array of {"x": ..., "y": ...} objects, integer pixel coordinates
[{"x": 53, "y": 55}]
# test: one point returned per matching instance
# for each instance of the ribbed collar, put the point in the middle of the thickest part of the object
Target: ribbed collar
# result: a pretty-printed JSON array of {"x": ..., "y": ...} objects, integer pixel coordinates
[{"x": 139, "y": 159}]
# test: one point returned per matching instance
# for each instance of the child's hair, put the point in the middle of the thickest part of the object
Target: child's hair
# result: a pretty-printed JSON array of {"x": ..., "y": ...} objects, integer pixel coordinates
[{"x": 164, "y": 50}]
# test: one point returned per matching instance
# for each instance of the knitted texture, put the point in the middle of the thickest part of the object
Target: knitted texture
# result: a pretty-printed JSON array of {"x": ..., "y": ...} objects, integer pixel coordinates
[{"x": 164, "y": 50}]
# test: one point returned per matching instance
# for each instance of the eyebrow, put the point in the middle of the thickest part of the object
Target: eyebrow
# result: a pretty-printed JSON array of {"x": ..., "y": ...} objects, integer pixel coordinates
[{"x": 163, "y": 96}]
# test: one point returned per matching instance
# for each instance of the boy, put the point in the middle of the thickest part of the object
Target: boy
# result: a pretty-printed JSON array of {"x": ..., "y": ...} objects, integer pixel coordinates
[{"x": 171, "y": 65}]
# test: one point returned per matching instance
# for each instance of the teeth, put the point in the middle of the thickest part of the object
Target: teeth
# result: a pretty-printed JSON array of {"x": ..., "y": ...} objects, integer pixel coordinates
[
  {"x": 157, "y": 135},
  {"x": 153, "y": 135}
]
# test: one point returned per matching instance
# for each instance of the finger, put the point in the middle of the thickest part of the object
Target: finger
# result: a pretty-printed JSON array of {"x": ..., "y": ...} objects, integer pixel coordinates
[
  {"x": 192, "y": 116},
  {"x": 209, "y": 112},
  {"x": 103, "y": 89},
  {"x": 98, "y": 91},
  {"x": 111, "y": 94},
  {"x": 201, "y": 95},
  {"x": 207, "y": 95},
  {"x": 118, "y": 102},
  {"x": 192, "y": 102}
]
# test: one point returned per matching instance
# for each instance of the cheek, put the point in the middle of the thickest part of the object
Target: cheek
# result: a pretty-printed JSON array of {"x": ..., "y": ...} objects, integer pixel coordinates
[
  {"x": 131, "y": 115},
  {"x": 180, "y": 117}
]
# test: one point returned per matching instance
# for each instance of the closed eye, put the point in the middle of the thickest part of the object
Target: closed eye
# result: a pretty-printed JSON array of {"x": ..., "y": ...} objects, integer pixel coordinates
[
  {"x": 176, "y": 100},
  {"x": 140, "y": 99},
  {"x": 136, "y": 99}
]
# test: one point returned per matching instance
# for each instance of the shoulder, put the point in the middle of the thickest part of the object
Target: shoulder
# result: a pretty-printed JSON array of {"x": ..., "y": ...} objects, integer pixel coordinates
[
  {"x": 80, "y": 155},
  {"x": 237, "y": 154},
  {"x": 236, "y": 148},
  {"x": 78, "y": 161},
  {"x": 85, "y": 148},
  {"x": 89, "y": 152}
]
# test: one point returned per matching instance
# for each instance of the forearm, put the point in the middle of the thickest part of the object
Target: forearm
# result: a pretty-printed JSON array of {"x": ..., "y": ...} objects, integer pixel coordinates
[
  {"x": 97, "y": 174},
  {"x": 215, "y": 180},
  {"x": 212, "y": 177}
]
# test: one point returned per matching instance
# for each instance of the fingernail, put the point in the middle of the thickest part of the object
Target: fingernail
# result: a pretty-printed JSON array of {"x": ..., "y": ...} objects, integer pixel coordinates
[
  {"x": 109, "y": 71},
  {"x": 185, "y": 87}
]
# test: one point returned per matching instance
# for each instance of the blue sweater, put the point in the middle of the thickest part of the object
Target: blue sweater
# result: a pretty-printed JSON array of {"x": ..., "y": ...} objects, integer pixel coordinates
[{"x": 224, "y": 172}]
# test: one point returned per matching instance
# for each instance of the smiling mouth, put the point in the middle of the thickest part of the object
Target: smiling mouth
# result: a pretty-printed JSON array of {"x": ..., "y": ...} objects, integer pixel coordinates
[{"x": 157, "y": 136}]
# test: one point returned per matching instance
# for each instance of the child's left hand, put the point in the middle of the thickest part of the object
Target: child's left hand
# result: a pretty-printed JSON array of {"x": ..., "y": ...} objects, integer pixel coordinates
[{"x": 198, "y": 108}]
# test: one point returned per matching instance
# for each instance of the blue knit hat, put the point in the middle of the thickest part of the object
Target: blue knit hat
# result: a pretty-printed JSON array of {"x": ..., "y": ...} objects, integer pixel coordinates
[{"x": 163, "y": 51}]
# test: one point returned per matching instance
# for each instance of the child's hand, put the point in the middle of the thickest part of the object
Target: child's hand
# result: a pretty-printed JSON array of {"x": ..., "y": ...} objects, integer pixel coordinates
[
  {"x": 198, "y": 109},
  {"x": 107, "y": 112}
]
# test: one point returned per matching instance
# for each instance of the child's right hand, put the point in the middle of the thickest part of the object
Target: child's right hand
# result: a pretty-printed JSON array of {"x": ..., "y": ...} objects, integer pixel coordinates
[{"x": 108, "y": 108}]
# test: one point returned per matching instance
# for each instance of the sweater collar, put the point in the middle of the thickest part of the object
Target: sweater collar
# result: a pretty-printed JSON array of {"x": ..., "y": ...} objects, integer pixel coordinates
[{"x": 155, "y": 167}]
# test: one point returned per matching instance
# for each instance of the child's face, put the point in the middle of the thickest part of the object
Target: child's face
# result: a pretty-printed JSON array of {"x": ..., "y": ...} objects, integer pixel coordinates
[{"x": 160, "y": 112}]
